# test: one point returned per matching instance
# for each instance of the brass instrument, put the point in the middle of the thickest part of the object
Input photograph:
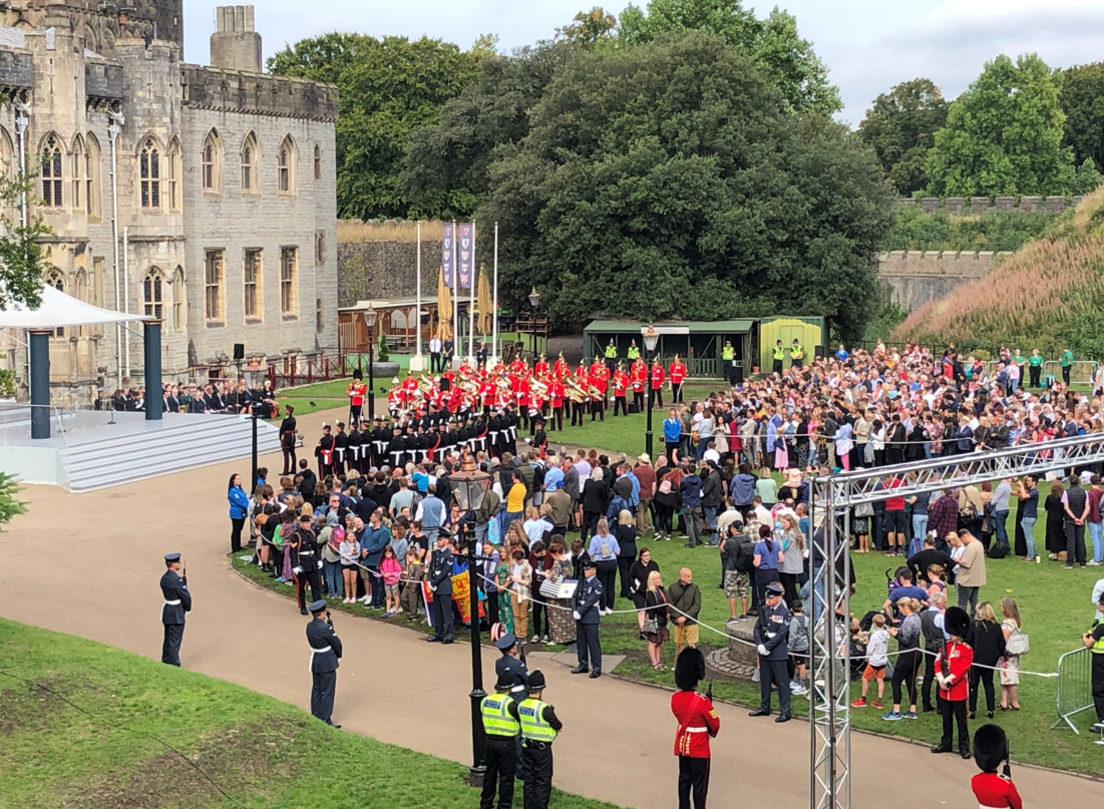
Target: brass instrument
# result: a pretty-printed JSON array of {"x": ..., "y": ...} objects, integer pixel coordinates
[
  {"x": 425, "y": 384},
  {"x": 502, "y": 383},
  {"x": 593, "y": 392},
  {"x": 538, "y": 388},
  {"x": 573, "y": 392}
]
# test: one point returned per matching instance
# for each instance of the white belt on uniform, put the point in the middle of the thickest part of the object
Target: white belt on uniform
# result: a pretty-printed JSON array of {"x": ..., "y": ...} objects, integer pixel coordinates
[
  {"x": 696, "y": 730},
  {"x": 173, "y": 603},
  {"x": 314, "y": 652}
]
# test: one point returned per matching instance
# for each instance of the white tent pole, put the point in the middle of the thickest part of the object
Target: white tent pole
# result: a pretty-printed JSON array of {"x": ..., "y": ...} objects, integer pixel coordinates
[
  {"x": 126, "y": 292},
  {"x": 456, "y": 347},
  {"x": 494, "y": 307},
  {"x": 471, "y": 305},
  {"x": 418, "y": 314}
]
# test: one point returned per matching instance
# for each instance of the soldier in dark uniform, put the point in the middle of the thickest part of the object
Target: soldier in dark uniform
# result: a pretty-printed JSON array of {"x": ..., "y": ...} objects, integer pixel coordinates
[
  {"x": 178, "y": 603},
  {"x": 380, "y": 438},
  {"x": 410, "y": 443},
  {"x": 396, "y": 447},
  {"x": 772, "y": 631},
  {"x": 305, "y": 563},
  {"x": 439, "y": 577},
  {"x": 341, "y": 444},
  {"x": 501, "y": 723},
  {"x": 539, "y": 726},
  {"x": 324, "y": 452},
  {"x": 354, "y": 460},
  {"x": 509, "y": 664},
  {"x": 287, "y": 440},
  {"x": 495, "y": 432},
  {"x": 539, "y": 440},
  {"x": 512, "y": 423},
  {"x": 325, "y": 652}
]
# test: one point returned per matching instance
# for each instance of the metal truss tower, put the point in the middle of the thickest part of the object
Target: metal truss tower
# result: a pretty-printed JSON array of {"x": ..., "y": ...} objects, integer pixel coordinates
[{"x": 833, "y": 497}]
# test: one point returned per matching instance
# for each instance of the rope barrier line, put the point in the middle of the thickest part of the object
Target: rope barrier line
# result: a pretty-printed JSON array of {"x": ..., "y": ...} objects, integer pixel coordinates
[
  {"x": 722, "y": 633},
  {"x": 119, "y": 726}
]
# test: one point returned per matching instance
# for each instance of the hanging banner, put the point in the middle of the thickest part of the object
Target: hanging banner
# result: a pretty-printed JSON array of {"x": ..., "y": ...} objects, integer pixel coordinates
[
  {"x": 466, "y": 251},
  {"x": 459, "y": 595},
  {"x": 446, "y": 256}
]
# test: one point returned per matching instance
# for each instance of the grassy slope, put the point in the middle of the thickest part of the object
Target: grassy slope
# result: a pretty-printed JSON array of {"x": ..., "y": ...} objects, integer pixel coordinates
[
  {"x": 262, "y": 752},
  {"x": 1054, "y": 604}
]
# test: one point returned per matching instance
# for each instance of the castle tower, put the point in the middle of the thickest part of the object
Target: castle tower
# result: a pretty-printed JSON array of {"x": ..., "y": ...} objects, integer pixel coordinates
[{"x": 235, "y": 45}]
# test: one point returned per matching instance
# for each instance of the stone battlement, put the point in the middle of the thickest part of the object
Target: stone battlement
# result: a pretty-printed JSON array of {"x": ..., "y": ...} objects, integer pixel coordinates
[
  {"x": 975, "y": 205},
  {"x": 258, "y": 94},
  {"x": 938, "y": 262}
]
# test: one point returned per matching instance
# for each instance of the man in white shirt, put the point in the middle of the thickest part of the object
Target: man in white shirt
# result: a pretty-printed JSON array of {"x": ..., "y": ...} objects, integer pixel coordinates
[{"x": 435, "y": 354}]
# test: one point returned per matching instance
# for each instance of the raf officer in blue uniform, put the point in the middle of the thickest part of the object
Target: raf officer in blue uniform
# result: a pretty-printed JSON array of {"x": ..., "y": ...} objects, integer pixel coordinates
[
  {"x": 510, "y": 664},
  {"x": 325, "y": 648},
  {"x": 584, "y": 605},
  {"x": 772, "y": 631},
  {"x": 439, "y": 577},
  {"x": 178, "y": 603}
]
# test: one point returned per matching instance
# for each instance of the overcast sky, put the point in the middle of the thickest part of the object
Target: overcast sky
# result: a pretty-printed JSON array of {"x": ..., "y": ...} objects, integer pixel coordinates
[{"x": 868, "y": 45}]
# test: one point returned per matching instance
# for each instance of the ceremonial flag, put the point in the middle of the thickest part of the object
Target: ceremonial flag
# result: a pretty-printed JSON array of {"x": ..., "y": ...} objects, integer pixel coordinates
[
  {"x": 446, "y": 256},
  {"x": 467, "y": 254}
]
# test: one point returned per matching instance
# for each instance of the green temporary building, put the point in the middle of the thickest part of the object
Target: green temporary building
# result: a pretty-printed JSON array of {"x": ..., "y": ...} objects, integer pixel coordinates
[{"x": 699, "y": 343}]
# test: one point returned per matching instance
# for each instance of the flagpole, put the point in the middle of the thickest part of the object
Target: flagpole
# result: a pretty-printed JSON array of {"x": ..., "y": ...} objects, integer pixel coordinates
[
  {"x": 494, "y": 308},
  {"x": 471, "y": 304},
  {"x": 456, "y": 348},
  {"x": 419, "y": 364}
]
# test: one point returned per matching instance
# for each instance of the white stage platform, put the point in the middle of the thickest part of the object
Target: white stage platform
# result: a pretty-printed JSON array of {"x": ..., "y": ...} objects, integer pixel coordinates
[{"x": 86, "y": 451}]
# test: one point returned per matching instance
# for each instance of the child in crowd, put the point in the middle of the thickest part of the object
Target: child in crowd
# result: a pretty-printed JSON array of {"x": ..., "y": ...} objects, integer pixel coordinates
[
  {"x": 411, "y": 595},
  {"x": 391, "y": 570},
  {"x": 798, "y": 643},
  {"x": 877, "y": 658}
]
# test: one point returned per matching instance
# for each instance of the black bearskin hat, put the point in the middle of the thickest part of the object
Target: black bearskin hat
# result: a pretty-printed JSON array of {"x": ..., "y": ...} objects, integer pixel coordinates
[
  {"x": 689, "y": 669},
  {"x": 956, "y": 621},
  {"x": 990, "y": 747},
  {"x": 358, "y": 374}
]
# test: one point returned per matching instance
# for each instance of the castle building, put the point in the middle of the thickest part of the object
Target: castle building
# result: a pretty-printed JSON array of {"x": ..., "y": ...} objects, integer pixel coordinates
[{"x": 203, "y": 196}]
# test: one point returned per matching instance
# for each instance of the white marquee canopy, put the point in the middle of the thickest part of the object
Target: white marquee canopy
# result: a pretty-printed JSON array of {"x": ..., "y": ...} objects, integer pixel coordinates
[{"x": 58, "y": 310}]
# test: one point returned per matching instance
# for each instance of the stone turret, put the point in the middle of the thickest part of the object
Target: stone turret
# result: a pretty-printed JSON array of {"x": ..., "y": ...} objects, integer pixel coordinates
[{"x": 235, "y": 45}]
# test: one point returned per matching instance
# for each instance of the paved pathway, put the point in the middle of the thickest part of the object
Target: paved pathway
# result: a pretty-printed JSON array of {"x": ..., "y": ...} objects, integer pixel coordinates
[{"x": 618, "y": 737}]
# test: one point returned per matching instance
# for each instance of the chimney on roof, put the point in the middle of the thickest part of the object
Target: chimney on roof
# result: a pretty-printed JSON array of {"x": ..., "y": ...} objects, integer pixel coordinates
[{"x": 235, "y": 45}]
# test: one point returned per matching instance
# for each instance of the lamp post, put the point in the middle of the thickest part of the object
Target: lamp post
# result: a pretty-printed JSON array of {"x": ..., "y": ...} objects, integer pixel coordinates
[
  {"x": 370, "y": 318},
  {"x": 471, "y": 485},
  {"x": 534, "y": 302},
  {"x": 650, "y": 340}
]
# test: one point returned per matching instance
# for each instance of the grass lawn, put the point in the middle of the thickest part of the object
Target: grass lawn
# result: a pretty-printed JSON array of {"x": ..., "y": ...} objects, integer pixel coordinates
[
  {"x": 1054, "y": 604},
  {"x": 260, "y": 751}
]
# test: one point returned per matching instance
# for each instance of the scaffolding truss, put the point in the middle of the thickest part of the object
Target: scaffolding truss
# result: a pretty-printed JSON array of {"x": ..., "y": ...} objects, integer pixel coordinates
[{"x": 829, "y": 652}]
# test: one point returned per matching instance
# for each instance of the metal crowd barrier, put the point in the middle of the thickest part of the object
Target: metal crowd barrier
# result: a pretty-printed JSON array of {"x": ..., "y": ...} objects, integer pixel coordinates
[{"x": 1074, "y": 686}]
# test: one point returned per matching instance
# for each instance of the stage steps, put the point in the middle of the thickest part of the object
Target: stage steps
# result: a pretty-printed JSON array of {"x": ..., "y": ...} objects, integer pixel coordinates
[{"x": 180, "y": 442}]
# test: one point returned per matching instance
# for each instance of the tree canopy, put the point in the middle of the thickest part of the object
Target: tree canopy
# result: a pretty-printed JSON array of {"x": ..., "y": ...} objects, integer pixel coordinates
[
  {"x": 1003, "y": 137},
  {"x": 21, "y": 254},
  {"x": 1082, "y": 98},
  {"x": 773, "y": 43},
  {"x": 669, "y": 179},
  {"x": 900, "y": 127},
  {"x": 390, "y": 88}
]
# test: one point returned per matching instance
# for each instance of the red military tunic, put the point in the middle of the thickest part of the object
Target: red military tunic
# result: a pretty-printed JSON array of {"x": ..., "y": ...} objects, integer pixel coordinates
[
  {"x": 556, "y": 389},
  {"x": 961, "y": 657},
  {"x": 560, "y": 368},
  {"x": 677, "y": 372},
  {"x": 698, "y": 723},
  {"x": 657, "y": 377},
  {"x": 995, "y": 791},
  {"x": 356, "y": 392},
  {"x": 620, "y": 383}
]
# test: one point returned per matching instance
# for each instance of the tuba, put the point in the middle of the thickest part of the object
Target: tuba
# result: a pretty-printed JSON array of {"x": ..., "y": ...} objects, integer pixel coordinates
[
  {"x": 573, "y": 392},
  {"x": 538, "y": 389}
]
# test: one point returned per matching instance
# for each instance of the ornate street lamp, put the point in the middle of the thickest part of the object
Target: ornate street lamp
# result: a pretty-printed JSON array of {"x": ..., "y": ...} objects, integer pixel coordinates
[
  {"x": 534, "y": 302},
  {"x": 370, "y": 318},
  {"x": 651, "y": 338},
  {"x": 471, "y": 485}
]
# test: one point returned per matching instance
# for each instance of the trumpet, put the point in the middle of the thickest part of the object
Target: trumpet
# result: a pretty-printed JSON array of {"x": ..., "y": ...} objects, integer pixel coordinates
[{"x": 573, "y": 392}]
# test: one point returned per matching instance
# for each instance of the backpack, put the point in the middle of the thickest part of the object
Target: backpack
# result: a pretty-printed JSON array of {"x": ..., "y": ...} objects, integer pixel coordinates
[
  {"x": 998, "y": 551},
  {"x": 538, "y": 478},
  {"x": 745, "y": 554},
  {"x": 665, "y": 486}
]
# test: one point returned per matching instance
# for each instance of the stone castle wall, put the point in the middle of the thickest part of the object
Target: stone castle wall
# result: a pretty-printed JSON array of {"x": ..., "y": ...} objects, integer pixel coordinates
[{"x": 915, "y": 277}]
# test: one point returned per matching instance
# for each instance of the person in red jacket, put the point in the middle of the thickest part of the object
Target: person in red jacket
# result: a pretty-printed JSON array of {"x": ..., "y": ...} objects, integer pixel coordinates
[
  {"x": 697, "y": 724},
  {"x": 951, "y": 669},
  {"x": 620, "y": 387},
  {"x": 993, "y": 791},
  {"x": 677, "y": 373},
  {"x": 657, "y": 382}
]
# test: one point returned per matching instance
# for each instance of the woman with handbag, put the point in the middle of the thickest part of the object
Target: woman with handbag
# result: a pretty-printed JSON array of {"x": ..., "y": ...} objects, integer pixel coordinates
[
  {"x": 655, "y": 624},
  {"x": 561, "y": 626},
  {"x": 1015, "y": 645},
  {"x": 639, "y": 574}
]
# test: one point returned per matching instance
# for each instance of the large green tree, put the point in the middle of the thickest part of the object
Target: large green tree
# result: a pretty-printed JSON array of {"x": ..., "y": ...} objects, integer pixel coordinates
[
  {"x": 900, "y": 127},
  {"x": 1003, "y": 136},
  {"x": 773, "y": 43},
  {"x": 446, "y": 166},
  {"x": 389, "y": 89},
  {"x": 669, "y": 179},
  {"x": 1082, "y": 96}
]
